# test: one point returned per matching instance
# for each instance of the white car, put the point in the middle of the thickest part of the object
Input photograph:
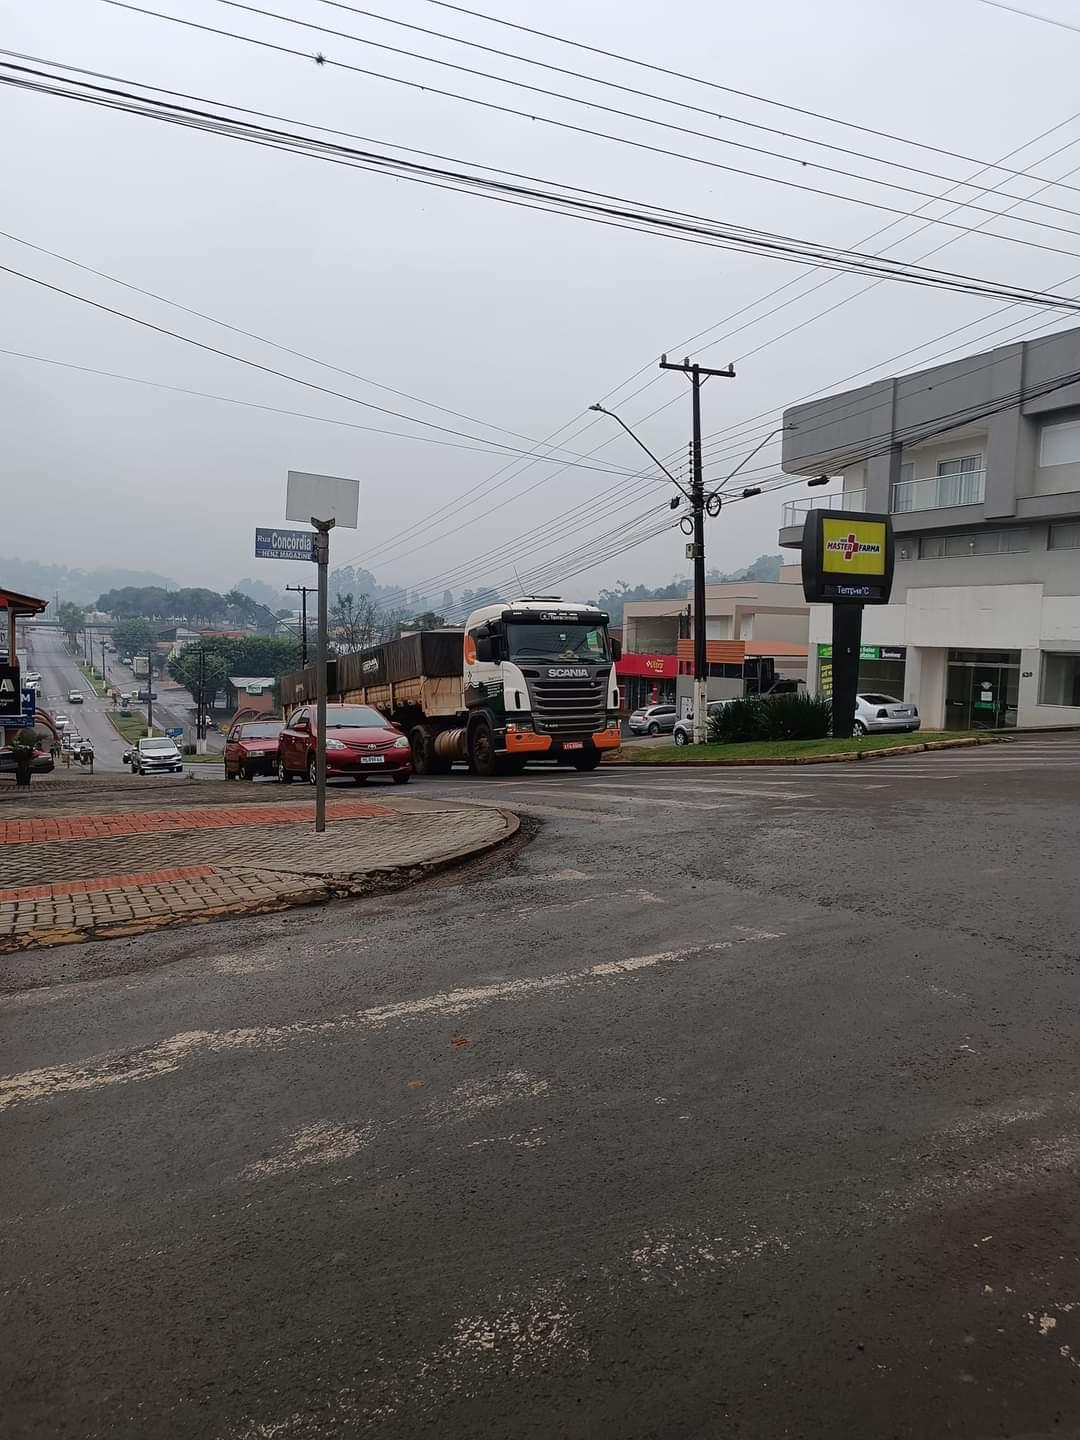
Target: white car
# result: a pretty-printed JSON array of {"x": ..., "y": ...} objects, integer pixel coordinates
[
  {"x": 61, "y": 721},
  {"x": 32, "y": 679},
  {"x": 875, "y": 712},
  {"x": 75, "y": 697},
  {"x": 156, "y": 755}
]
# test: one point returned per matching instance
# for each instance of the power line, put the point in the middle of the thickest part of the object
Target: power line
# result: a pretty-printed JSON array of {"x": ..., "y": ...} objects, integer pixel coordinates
[
  {"x": 712, "y": 233},
  {"x": 614, "y": 110},
  {"x": 324, "y": 60},
  {"x": 1031, "y": 15},
  {"x": 669, "y": 100},
  {"x": 713, "y": 84}
]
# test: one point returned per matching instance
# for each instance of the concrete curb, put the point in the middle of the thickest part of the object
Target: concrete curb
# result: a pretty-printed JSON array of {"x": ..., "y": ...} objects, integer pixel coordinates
[
  {"x": 838, "y": 758},
  {"x": 321, "y": 890}
]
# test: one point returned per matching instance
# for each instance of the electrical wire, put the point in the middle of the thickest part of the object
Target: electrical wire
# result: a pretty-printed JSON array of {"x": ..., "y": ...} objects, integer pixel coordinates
[
  {"x": 614, "y": 110},
  {"x": 1031, "y": 15},
  {"x": 716, "y": 234},
  {"x": 324, "y": 60},
  {"x": 662, "y": 99}
]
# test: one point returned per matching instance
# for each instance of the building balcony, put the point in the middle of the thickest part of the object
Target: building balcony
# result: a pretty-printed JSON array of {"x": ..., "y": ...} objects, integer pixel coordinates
[
  {"x": 796, "y": 511},
  {"x": 939, "y": 492}
]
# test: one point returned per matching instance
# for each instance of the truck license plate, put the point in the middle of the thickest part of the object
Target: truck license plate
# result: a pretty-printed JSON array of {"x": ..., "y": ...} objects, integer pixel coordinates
[
  {"x": 574, "y": 745},
  {"x": 371, "y": 759}
]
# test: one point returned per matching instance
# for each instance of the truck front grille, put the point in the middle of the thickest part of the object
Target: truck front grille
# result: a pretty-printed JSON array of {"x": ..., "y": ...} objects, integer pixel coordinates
[{"x": 563, "y": 707}]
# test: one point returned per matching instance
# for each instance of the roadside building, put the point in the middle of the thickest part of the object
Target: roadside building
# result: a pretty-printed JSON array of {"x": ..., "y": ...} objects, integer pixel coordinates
[
  {"x": 754, "y": 629},
  {"x": 13, "y": 608},
  {"x": 978, "y": 462},
  {"x": 252, "y": 693}
]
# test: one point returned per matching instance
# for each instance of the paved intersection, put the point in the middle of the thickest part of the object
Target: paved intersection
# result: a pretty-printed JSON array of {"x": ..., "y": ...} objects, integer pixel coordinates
[{"x": 753, "y": 1120}]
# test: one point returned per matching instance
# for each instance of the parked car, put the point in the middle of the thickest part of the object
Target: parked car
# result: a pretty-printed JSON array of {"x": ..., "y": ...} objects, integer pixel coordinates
[
  {"x": 144, "y": 695},
  {"x": 61, "y": 721},
  {"x": 41, "y": 764},
  {"x": 75, "y": 697},
  {"x": 874, "y": 712},
  {"x": 653, "y": 720},
  {"x": 683, "y": 734},
  {"x": 32, "y": 679},
  {"x": 251, "y": 749},
  {"x": 155, "y": 755},
  {"x": 359, "y": 742}
]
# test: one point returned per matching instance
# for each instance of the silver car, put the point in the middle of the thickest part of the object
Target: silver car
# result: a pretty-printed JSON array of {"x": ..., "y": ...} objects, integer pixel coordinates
[
  {"x": 875, "y": 712},
  {"x": 653, "y": 720},
  {"x": 684, "y": 729}
]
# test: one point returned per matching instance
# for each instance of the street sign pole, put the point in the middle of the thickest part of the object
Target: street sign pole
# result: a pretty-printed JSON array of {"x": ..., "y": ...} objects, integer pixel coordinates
[{"x": 322, "y": 559}]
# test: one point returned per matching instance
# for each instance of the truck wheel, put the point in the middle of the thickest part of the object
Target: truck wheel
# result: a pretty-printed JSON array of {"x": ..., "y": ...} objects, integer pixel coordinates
[
  {"x": 482, "y": 758},
  {"x": 425, "y": 761},
  {"x": 586, "y": 762}
]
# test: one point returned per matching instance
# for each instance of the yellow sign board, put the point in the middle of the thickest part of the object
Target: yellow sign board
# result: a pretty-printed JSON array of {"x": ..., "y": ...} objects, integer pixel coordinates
[{"x": 853, "y": 547}]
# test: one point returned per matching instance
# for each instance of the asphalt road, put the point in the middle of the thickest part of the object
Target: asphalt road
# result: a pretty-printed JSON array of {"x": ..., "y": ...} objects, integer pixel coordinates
[
  {"x": 60, "y": 673},
  {"x": 734, "y": 1104}
]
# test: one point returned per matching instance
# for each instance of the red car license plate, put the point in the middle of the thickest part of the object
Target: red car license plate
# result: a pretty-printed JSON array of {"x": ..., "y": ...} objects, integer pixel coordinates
[
  {"x": 372, "y": 759},
  {"x": 574, "y": 745}
]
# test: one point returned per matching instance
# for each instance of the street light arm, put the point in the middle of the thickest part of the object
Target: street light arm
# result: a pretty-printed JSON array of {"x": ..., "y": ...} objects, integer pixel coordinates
[
  {"x": 753, "y": 452},
  {"x": 657, "y": 462}
]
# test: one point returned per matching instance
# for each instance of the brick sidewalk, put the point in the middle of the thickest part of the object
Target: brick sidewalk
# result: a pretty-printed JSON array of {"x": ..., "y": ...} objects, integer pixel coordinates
[{"x": 75, "y": 868}]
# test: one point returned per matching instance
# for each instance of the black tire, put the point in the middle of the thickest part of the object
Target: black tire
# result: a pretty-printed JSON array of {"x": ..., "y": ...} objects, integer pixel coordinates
[
  {"x": 680, "y": 737},
  {"x": 654, "y": 728},
  {"x": 586, "y": 762},
  {"x": 286, "y": 777},
  {"x": 246, "y": 773},
  {"x": 401, "y": 779},
  {"x": 312, "y": 771},
  {"x": 228, "y": 774},
  {"x": 858, "y": 729},
  {"x": 483, "y": 760}
]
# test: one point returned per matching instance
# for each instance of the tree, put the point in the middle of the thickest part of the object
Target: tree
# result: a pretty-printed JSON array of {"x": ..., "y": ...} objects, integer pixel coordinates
[
  {"x": 24, "y": 745},
  {"x": 426, "y": 620},
  {"x": 71, "y": 618},
  {"x": 184, "y": 668},
  {"x": 352, "y": 622},
  {"x": 133, "y": 637}
]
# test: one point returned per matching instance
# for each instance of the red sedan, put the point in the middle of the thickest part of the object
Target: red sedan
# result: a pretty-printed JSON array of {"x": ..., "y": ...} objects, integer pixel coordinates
[
  {"x": 359, "y": 742},
  {"x": 251, "y": 748}
]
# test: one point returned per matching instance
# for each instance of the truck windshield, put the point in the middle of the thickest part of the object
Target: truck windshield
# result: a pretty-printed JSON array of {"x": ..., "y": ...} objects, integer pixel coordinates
[{"x": 558, "y": 643}]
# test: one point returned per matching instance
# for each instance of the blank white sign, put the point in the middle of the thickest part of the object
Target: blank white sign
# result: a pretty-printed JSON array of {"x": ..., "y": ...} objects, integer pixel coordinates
[{"x": 322, "y": 497}]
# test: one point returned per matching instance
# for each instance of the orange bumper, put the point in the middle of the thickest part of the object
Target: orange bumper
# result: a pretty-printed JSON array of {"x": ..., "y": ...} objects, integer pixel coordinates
[
  {"x": 520, "y": 742},
  {"x": 607, "y": 739}
]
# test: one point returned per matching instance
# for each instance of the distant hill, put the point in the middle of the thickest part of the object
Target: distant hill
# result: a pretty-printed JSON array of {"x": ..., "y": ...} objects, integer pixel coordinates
[
  {"x": 30, "y": 577},
  {"x": 765, "y": 567}
]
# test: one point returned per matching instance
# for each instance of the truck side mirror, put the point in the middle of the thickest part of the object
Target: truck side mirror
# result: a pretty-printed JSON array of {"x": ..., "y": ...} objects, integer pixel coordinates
[
  {"x": 616, "y": 650},
  {"x": 485, "y": 650}
]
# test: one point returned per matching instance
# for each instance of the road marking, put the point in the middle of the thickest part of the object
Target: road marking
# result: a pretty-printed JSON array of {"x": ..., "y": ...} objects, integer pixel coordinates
[{"x": 167, "y": 1056}]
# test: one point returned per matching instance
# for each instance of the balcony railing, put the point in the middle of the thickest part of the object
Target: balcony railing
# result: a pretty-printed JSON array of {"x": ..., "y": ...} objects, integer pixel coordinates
[
  {"x": 795, "y": 511},
  {"x": 939, "y": 492}
]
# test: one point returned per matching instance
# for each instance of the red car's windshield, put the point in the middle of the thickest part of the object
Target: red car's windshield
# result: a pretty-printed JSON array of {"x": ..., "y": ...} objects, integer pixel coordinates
[{"x": 355, "y": 717}]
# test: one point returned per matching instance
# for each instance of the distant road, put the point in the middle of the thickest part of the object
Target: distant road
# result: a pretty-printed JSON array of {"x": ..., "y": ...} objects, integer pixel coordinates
[{"x": 59, "y": 674}]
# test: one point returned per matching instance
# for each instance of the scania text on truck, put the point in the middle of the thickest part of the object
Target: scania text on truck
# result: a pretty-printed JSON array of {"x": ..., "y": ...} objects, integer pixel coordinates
[{"x": 529, "y": 679}]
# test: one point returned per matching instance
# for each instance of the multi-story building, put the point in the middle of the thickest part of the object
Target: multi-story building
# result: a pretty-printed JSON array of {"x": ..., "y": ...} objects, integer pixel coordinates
[
  {"x": 978, "y": 462},
  {"x": 746, "y": 621}
]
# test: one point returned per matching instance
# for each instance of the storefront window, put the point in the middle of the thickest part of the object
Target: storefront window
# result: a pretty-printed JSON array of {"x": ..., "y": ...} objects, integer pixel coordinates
[{"x": 1060, "y": 680}]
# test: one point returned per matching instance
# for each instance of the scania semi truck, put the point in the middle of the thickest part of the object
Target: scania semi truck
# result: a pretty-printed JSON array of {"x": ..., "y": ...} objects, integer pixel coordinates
[{"x": 527, "y": 679}]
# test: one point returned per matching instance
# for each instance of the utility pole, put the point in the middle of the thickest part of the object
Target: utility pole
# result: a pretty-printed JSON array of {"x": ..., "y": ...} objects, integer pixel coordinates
[
  {"x": 303, "y": 591},
  {"x": 103, "y": 659},
  {"x": 697, "y": 374},
  {"x": 150, "y": 692}
]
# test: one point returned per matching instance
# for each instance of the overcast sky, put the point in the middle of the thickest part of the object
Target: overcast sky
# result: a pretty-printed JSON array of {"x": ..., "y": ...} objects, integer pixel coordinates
[{"x": 516, "y": 318}]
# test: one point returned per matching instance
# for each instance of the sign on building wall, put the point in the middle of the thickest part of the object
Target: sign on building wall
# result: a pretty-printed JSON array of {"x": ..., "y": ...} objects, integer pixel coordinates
[
  {"x": 847, "y": 559},
  {"x": 869, "y": 652}
]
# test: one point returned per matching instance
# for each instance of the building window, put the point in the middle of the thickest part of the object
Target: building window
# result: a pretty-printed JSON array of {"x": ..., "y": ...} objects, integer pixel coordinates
[
  {"x": 974, "y": 542},
  {"x": 907, "y": 549},
  {"x": 960, "y": 481},
  {"x": 1065, "y": 537},
  {"x": 1060, "y": 680},
  {"x": 1060, "y": 444}
]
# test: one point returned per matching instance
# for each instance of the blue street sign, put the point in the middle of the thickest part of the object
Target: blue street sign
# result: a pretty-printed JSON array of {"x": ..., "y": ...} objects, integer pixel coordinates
[
  {"x": 273, "y": 544},
  {"x": 174, "y": 732},
  {"x": 29, "y": 703}
]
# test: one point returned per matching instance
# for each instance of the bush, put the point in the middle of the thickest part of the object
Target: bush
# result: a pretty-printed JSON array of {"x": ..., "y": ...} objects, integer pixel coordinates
[
  {"x": 776, "y": 717},
  {"x": 797, "y": 717},
  {"x": 739, "y": 720}
]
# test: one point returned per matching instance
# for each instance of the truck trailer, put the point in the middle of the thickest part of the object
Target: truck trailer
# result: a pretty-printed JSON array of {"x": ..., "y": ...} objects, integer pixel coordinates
[{"x": 527, "y": 679}]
